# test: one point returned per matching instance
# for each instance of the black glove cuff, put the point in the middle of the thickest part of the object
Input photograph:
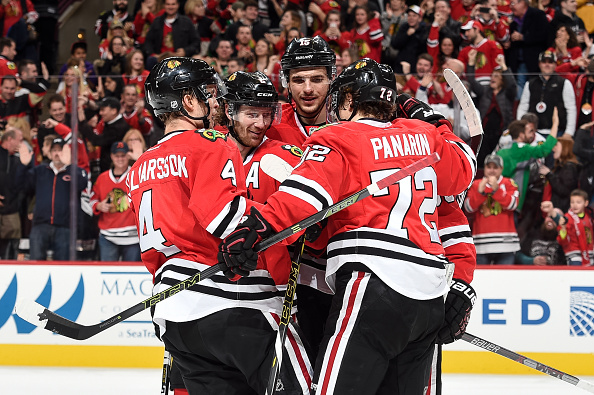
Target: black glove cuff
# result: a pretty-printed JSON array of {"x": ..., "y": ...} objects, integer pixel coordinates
[{"x": 464, "y": 290}]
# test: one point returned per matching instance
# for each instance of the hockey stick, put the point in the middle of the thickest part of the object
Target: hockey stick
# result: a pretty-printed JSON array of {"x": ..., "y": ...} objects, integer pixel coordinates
[
  {"x": 166, "y": 375},
  {"x": 40, "y": 316},
  {"x": 277, "y": 168},
  {"x": 285, "y": 316},
  {"x": 475, "y": 126},
  {"x": 541, "y": 367}
]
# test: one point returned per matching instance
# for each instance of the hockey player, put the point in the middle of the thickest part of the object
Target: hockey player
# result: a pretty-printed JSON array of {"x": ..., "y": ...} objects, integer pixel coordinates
[
  {"x": 251, "y": 107},
  {"x": 385, "y": 260},
  {"x": 187, "y": 191},
  {"x": 308, "y": 68}
]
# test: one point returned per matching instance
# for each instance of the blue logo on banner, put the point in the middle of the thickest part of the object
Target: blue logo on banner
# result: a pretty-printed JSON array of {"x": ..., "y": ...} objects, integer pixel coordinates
[
  {"x": 70, "y": 310},
  {"x": 581, "y": 311}
]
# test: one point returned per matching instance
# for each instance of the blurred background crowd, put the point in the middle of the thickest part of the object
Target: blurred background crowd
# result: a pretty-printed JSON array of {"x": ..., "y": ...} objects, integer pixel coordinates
[{"x": 528, "y": 65}]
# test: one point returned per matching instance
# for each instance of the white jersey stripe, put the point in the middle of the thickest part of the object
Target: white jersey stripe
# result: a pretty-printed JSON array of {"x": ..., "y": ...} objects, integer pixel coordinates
[
  {"x": 334, "y": 354},
  {"x": 296, "y": 352},
  {"x": 212, "y": 227}
]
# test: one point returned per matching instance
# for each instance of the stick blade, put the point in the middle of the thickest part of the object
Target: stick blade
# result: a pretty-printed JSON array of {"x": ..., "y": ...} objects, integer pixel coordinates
[
  {"x": 585, "y": 385},
  {"x": 276, "y": 167},
  {"x": 475, "y": 126},
  {"x": 31, "y": 312}
]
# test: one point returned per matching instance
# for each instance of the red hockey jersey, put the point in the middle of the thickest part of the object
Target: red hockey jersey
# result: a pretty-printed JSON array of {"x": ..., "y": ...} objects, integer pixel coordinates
[
  {"x": 456, "y": 237},
  {"x": 260, "y": 186},
  {"x": 577, "y": 242},
  {"x": 119, "y": 225},
  {"x": 290, "y": 130},
  {"x": 395, "y": 232},
  {"x": 133, "y": 120},
  {"x": 493, "y": 228},
  {"x": 487, "y": 50},
  {"x": 188, "y": 191}
]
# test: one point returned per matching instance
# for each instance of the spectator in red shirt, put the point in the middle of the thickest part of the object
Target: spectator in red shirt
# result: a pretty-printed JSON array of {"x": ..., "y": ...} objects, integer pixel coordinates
[
  {"x": 11, "y": 12},
  {"x": 149, "y": 9},
  {"x": 118, "y": 238},
  {"x": 332, "y": 33},
  {"x": 7, "y": 54},
  {"x": 289, "y": 20},
  {"x": 487, "y": 51},
  {"x": 134, "y": 71},
  {"x": 133, "y": 110},
  {"x": 566, "y": 47},
  {"x": 367, "y": 34},
  {"x": 461, "y": 10}
]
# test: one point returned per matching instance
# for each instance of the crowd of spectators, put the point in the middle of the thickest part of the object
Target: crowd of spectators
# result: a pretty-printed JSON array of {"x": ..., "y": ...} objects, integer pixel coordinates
[{"x": 528, "y": 65}]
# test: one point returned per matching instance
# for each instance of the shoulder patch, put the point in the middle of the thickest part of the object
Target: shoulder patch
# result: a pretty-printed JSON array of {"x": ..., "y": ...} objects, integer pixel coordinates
[
  {"x": 298, "y": 152},
  {"x": 211, "y": 134},
  {"x": 513, "y": 182},
  {"x": 11, "y": 65},
  {"x": 313, "y": 130}
]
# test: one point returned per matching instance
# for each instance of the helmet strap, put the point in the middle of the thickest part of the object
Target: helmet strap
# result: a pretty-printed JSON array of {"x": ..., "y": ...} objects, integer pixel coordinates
[{"x": 204, "y": 118}]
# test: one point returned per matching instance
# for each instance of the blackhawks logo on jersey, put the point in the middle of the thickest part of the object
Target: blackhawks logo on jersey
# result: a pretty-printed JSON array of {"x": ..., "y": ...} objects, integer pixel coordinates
[
  {"x": 211, "y": 134},
  {"x": 118, "y": 199},
  {"x": 318, "y": 128},
  {"x": 293, "y": 149}
]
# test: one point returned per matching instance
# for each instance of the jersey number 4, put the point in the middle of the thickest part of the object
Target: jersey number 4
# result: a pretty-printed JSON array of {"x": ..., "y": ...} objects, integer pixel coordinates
[
  {"x": 420, "y": 181},
  {"x": 151, "y": 238}
]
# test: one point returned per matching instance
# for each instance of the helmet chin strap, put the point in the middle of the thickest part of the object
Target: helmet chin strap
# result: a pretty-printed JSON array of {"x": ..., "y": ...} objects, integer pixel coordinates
[
  {"x": 204, "y": 118},
  {"x": 234, "y": 134}
]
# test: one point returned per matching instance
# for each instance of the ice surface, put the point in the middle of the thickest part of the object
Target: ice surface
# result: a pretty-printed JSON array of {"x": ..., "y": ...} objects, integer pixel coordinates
[{"x": 100, "y": 381}]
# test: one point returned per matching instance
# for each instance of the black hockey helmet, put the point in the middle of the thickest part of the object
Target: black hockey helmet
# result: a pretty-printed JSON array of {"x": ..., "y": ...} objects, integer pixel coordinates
[
  {"x": 254, "y": 90},
  {"x": 245, "y": 88},
  {"x": 168, "y": 80},
  {"x": 368, "y": 80},
  {"x": 307, "y": 52}
]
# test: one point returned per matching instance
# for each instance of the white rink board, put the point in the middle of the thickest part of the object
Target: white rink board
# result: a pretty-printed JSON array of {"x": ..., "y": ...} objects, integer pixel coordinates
[
  {"x": 529, "y": 310},
  {"x": 89, "y": 292}
]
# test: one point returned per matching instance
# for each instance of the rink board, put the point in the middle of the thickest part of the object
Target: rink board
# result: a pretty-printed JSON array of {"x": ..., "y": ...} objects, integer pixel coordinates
[{"x": 545, "y": 314}]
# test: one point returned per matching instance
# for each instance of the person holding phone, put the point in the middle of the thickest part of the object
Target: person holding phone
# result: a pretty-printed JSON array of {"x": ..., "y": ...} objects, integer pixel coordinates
[
  {"x": 331, "y": 32},
  {"x": 496, "y": 25}
]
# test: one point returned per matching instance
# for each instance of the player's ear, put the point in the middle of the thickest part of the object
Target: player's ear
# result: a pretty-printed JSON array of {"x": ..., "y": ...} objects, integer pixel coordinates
[
  {"x": 227, "y": 112},
  {"x": 188, "y": 103}
]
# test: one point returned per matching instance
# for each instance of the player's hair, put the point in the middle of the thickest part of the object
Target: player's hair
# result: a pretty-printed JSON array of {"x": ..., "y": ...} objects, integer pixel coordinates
[
  {"x": 516, "y": 128},
  {"x": 579, "y": 192},
  {"x": 380, "y": 110},
  {"x": 170, "y": 116}
]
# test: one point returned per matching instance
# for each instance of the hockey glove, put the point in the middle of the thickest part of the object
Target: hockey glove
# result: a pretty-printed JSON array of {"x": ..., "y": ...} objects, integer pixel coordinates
[
  {"x": 409, "y": 107},
  {"x": 458, "y": 305},
  {"x": 237, "y": 249}
]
